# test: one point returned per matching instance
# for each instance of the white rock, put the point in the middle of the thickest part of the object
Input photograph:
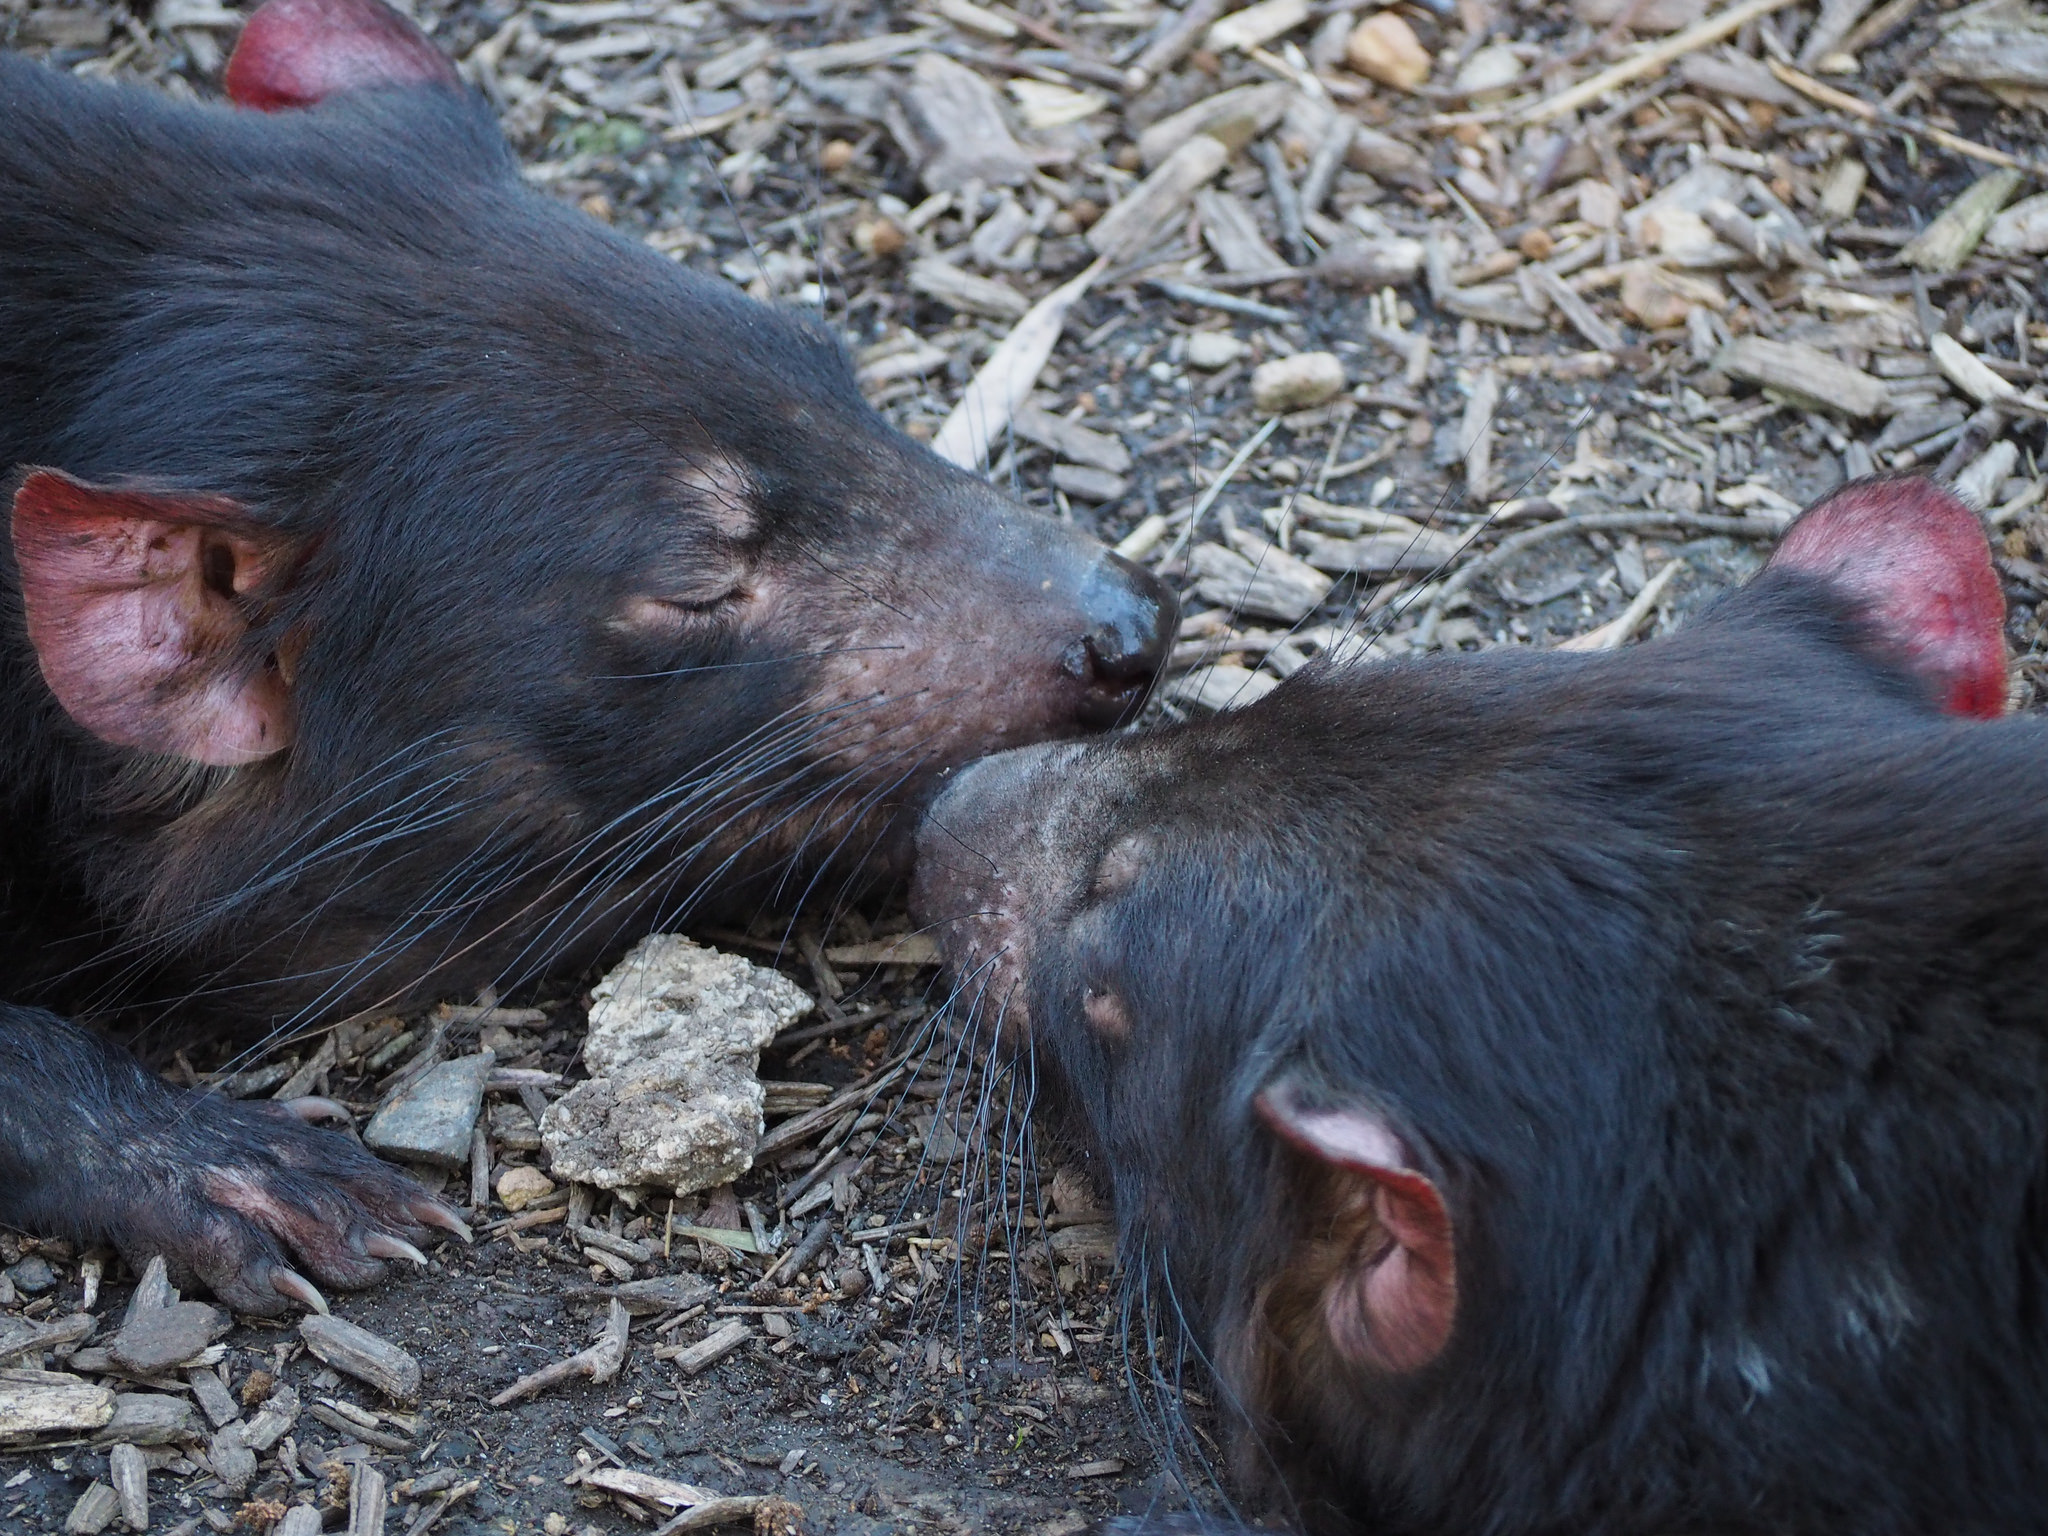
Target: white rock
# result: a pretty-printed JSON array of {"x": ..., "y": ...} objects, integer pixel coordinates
[
  {"x": 676, "y": 1032},
  {"x": 1296, "y": 383},
  {"x": 1215, "y": 349}
]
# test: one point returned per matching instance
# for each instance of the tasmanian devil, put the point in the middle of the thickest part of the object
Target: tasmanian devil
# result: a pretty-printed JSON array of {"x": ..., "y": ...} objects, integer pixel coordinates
[
  {"x": 1577, "y": 1094},
  {"x": 413, "y": 583}
]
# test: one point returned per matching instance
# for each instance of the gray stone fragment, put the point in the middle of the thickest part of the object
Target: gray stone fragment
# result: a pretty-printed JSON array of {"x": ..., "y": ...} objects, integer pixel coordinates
[
  {"x": 675, "y": 1038},
  {"x": 430, "y": 1119}
]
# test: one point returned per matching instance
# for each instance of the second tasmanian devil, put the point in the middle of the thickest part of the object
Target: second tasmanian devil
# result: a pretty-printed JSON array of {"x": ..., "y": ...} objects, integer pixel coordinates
[{"x": 1566, "y": 1093}]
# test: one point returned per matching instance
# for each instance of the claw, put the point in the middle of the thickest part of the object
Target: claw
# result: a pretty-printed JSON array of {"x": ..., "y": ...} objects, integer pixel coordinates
[
  {"x": 295, "y": 1285},
  {"x": 382, "y": 1245},
  {"x": 435, "y": 1214},
  {"x": 313, "y": 1107}
]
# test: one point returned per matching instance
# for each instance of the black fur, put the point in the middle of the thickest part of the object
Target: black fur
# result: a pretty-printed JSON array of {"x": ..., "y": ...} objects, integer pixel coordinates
[
  {"x": 489, "y": 427},
  {"x": 1708, "y": 979}
]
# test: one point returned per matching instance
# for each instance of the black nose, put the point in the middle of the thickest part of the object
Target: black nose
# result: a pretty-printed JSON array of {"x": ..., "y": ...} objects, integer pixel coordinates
[{"x": 1131, "y": 617}]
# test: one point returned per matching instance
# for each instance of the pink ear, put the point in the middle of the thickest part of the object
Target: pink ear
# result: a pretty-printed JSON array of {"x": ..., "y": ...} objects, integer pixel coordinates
[
  {"x": 294, "y": 53},
  {"x": 1918, "y": 558},
  {"x": 135, "y": 607},
  {"x": 1392, "y": 1306}
]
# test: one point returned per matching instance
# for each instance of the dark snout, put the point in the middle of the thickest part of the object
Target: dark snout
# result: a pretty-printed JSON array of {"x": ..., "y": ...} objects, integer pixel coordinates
[{"x": 1129, "y": 618}]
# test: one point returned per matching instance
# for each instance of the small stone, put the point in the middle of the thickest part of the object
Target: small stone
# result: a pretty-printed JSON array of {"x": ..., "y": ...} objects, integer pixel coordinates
[
  {"x": 362, "y": 1354},
  {"x": 1215, "y": 349},
  {"x": 1536, "y": 244},
  {"x": 1298, "y": 382},
  {"x": 879, "y": 237},
  {"x": 430, "y": 1119},
  {"x": 1599, "y": 204},
  {"x": 33, "y": 1275},
  {"x": 519, "y": 1187},
  {"x": 835, "y": 157},
  {"x": 1489, "y": 70},
  {"x": 1385, "y": 48}
]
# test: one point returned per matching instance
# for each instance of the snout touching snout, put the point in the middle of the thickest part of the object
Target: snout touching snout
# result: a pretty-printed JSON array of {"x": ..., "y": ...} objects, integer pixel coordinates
[{"x": 1131, "y": 618}]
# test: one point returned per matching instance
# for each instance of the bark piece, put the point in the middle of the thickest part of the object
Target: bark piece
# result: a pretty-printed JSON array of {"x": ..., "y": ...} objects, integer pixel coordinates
[
  {"x": 695, "y": 1359},
  {"x": 1078, "y": 445},
  {"x": 32, "y": 1402},
  {"x": 950, "y": 122},
  {"x": 1815, "y": 378},
  {"x": 357, "y": 1352},
  {"x": 940, "y": 279},
  {"x": 1233, "y": 118},
  {"x": 1144, "y": 212}
]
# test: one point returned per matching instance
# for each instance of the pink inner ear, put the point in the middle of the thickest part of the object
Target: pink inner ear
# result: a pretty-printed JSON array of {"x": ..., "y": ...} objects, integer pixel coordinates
[
  {"x": 123, "y": 594},
  {"x": 1393, "y": 1304},
  {"x": 1918, "y": 559},
  {"x": 295, "y": 53}
]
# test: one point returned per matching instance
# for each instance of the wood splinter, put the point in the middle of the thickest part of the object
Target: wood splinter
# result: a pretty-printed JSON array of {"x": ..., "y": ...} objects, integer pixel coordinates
[{"x": 600, "y": 1362}]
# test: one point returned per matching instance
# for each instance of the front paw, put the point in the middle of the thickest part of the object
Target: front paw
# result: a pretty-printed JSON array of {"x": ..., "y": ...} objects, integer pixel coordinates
[{"x": 263, "y": 1209}]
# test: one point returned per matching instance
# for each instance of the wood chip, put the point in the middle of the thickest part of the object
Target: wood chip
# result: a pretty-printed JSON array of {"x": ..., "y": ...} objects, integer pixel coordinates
[
  {"x": 1142, "y": 214},
  {"x": 1816, "y": 379},
  {"x": 694, "y": 1359},
  {"x": 33, "y": 1402},
  {"x": 357, "y": 1352},
  {"x": 1008, "y": 377},
  {"x": 941, "y": 280},
  {"x": 1946, "y": 243},
  {"x": 128, "y": 1472},
  {"x": 951, "y": 124}
]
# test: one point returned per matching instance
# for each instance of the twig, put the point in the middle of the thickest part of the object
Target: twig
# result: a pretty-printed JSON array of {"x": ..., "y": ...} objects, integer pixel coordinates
[
  {"x": 1651, "y": 59},
  {"x": 1856, "y": 106},
  {"x": 1626, "y": 522},
  {"x": 1615, "y": 633},
  {"x": 600, "y": 1362}
]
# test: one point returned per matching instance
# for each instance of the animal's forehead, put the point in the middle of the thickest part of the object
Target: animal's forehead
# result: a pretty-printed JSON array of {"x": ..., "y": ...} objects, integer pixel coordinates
[{"x": 716, "y": 487}]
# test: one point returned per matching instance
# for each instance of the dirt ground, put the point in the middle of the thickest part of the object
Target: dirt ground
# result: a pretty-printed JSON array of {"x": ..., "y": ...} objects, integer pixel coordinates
[{"x": 969, "y": 1364}]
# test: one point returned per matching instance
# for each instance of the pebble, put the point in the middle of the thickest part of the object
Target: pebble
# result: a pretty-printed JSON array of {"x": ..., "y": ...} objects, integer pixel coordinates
[
  {"x": 1295, "y": 383},
  {"x": 33, "y": 1275},
  {"x": 520, "y": 1186},
  {"x": 1385, "y": 48},
  {"x": 1211, "y": 350},
  {"x": 430, "y": 1119}
]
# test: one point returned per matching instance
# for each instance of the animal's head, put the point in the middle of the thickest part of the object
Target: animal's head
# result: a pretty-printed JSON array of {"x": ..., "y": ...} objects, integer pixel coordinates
[{"x": 451, "y": 580}]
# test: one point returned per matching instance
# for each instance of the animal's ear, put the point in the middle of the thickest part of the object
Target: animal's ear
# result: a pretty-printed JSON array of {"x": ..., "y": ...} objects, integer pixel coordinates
[
  {"x": 137, "y": 607},
  {"x": 1917, "y": 559},
  {"x": 1391, "y": 1296},
  {"x": 295, "y": 53}
]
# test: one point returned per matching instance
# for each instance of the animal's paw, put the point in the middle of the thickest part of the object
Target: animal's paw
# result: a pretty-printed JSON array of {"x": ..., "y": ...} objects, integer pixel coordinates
[{"x": 263, "y": 1209}]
